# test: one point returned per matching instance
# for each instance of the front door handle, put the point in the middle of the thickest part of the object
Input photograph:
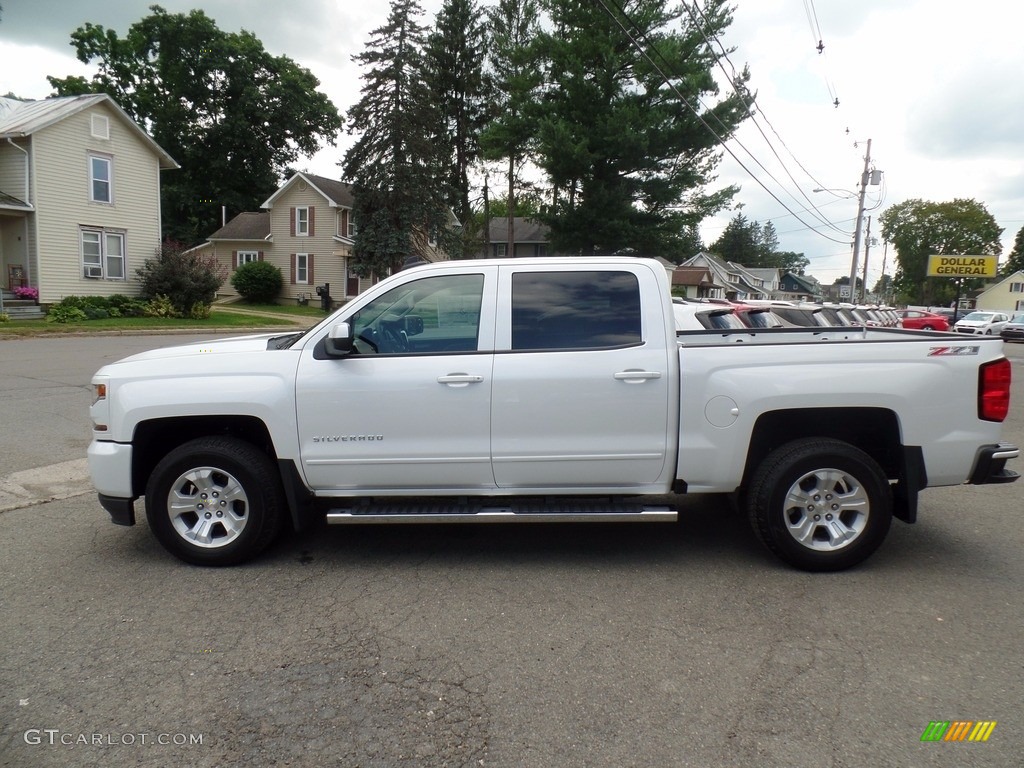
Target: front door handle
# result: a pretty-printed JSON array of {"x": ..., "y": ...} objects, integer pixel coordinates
[
  {"x": 460, "y": 379},
  {"x": 637, "y": 377}
]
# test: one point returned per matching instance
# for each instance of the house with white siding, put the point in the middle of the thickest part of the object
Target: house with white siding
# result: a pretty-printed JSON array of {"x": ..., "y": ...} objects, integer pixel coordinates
[
  {"x": 306, "y": 230},
  {"x": 79, "y": 196}
]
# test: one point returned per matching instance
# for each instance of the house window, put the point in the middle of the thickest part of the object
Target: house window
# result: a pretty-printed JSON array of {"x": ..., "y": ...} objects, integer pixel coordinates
[
  {"x": 346, "y": 226},
  {"x": 100, "y": 127},
  {"x": 500, "y": 249},
  {"x": 245, "y": 257},
  {"x": 302, "y": 268},
  {"x": 100, "y": 179},
  {"x": 103, "y": 254},
  {"x": 1016, "y": 287},
  {"x": 302, "y": 222}
]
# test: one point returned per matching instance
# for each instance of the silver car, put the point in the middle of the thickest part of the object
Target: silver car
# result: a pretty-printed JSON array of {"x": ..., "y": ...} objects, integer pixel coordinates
[
  {"x": 982, "y": 323},
  {"x": 1014, "y": 330}
]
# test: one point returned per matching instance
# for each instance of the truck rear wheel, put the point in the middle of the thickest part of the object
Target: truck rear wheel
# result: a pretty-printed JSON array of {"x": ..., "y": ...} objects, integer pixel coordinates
[
  {"x": 215, "y": 501},
  {"x": 820, "y": 504}
]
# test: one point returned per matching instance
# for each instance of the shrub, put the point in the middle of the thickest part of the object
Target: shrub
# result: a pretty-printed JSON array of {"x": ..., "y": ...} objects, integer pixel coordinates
[
  {"x": 181, "y": 277},
  {"x": 126, "y": 306},
  {"x": 199, "y": 311},
  {"x": 257, "y": 282},
  {"x": 4, "y": 317},
  {"x": 62, "y": 313},
  {"x": 161, "y": 306}
]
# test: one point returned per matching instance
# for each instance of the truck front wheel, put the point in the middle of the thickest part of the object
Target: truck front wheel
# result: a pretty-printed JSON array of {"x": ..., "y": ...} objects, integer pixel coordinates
[
  {"x": 215, "y": 501},
  {"x": 820, "y": 504}
]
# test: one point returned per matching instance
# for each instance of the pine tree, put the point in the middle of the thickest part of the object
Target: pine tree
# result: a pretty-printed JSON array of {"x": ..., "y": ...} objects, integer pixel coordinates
[
  {"x": 455, "y": 67},
  {"x": 514, "y": 26},
  {"x": 395, "y": 167},
  {"x": 1015, "y": 261},
  {"x": 619, "y": 133}
]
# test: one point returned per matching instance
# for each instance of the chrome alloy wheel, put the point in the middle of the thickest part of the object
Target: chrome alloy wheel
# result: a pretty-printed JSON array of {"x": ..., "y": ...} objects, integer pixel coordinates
[
  {"x": 207, "y": 507},
  {"x": 826, "y": 510}
]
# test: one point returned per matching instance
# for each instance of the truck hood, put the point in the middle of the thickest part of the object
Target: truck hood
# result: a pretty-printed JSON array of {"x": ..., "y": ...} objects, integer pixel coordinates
[{"x": 235, "y": 344}]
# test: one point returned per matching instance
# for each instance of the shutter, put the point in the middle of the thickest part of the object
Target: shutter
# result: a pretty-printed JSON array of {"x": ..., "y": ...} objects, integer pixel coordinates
[
  {"x": 234, "y": 260},
  {"x": 344, "y": 223},
  {"x": 259, "y": 256},
  {"x": 310, "y": 214},
  {"x": 309, "y": 269},
  {"x": 291, "y": 220},
  {"x": 293, "y": 269}
]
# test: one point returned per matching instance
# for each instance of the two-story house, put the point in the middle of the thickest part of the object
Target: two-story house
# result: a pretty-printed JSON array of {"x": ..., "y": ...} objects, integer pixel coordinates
[
  {"x": 79, "y": 196},
  {"x": 307, "y": 230}
]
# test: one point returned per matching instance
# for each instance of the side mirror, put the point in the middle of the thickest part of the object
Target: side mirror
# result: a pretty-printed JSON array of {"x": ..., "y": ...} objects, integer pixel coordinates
[{"x": 339, "y": 340}]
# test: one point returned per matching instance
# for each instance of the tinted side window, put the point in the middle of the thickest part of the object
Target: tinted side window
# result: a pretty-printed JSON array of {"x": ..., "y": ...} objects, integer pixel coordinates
[{"x": 575, "y": 310}]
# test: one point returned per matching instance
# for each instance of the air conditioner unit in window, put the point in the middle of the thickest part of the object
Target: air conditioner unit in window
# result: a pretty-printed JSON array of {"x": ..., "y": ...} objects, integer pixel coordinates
[{"x": 94, "y": 273}]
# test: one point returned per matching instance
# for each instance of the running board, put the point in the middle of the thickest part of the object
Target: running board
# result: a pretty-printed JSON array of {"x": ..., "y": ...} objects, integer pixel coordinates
[{"x": 393, "y": 512}]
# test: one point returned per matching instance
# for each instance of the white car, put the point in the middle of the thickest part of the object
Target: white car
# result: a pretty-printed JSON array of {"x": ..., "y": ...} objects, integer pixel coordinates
[
  {"x": 701, "y": 317},
  {"x": 982, "y": 323}
]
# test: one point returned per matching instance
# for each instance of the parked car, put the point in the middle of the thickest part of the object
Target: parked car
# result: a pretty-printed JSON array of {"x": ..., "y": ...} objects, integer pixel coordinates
[
  {"x": 951, "y": 315},
  {"x": 919, "y": 320},
  {"x": 982, "y": 323},
  {"x": 1014, "y": 330},
  {"x": 704, "y": 317}
]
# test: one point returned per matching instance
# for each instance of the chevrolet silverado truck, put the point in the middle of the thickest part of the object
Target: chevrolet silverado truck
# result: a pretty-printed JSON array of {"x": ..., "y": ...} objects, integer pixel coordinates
[{"x": 543, "y": 390}]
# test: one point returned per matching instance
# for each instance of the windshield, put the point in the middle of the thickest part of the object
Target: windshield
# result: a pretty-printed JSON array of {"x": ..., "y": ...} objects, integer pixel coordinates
[{"x": 978, "y": 317}]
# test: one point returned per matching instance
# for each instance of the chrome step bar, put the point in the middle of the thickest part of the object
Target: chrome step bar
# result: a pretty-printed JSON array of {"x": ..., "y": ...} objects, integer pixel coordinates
[{"x": 392, "y": 512}]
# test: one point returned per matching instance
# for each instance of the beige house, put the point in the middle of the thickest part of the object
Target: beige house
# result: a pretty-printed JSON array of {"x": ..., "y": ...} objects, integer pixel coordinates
[
  {"x": 1005, "y": 296},
  {"x": 79, "y": 196},
  {"x": 307, "y": 231}
]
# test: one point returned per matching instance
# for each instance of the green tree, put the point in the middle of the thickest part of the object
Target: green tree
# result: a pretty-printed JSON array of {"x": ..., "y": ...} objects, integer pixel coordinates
[
  {"x": 1015, "y": 262},
  {"x": 233, "y": 116},
  {"x": 514, "y": 24},
  {"x": 740, "y": 242},
  {"x": 455, "y": 70},
  {"x": 396, "y": 167},
  {"x": 918, "y": 229},
  {"x": 619, "y": 134}
]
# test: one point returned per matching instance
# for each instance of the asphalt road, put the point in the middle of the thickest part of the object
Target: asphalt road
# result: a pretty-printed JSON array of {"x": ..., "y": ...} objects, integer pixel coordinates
[{"x": 655, "y": 645}]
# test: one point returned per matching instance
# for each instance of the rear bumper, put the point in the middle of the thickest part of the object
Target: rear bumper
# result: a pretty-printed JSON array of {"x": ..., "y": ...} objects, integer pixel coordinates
[{"x": 990, "y": 464}]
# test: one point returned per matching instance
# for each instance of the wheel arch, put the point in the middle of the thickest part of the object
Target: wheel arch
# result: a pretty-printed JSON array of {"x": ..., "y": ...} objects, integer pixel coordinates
[
  {"x": 876, "y": 431},
  {"x": 155, "y": 438}
]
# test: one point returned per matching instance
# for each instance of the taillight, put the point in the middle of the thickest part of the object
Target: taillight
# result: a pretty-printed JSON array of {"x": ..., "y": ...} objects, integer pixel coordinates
[{"x": 994, "y": 390}]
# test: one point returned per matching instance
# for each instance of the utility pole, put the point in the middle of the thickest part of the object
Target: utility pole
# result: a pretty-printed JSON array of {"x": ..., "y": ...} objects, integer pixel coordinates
[
  {"x": 867, "y": 246},
  {"x": 860, "y": 217}
]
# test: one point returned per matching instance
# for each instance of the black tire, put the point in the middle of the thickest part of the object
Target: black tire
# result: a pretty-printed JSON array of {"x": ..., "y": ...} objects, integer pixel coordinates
[
  {"x": 927, "y": 328},
  {"x": 229, "y": 502},
  {"x": 820, "y": 504}
]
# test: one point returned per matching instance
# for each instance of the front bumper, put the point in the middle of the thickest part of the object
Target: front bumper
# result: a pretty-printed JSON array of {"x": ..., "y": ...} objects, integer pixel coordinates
[
  {"x": 990, "y": 464},
  {"x": 122, "y": 511}
]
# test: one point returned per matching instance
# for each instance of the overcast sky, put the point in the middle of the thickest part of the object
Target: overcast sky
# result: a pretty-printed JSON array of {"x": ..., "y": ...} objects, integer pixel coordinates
[{"x": 935, "y": 84}]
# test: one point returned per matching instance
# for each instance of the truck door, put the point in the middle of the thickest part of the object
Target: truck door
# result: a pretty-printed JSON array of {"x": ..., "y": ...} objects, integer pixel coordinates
[
  {"x": 410, "y": 407},
  {"x": 582, "y": 379}
]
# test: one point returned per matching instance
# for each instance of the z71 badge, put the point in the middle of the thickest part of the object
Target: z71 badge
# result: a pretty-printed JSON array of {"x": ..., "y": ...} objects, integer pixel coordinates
[{"x": 952, "y": 351}]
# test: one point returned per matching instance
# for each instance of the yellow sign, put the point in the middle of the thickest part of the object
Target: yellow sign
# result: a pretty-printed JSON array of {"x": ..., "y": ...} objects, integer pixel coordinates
[{"x": 962, "y": 266}]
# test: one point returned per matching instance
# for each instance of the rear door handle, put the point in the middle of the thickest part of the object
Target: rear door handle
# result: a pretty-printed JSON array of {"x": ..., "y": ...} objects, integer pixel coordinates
[{"x": 636, "y": 377}]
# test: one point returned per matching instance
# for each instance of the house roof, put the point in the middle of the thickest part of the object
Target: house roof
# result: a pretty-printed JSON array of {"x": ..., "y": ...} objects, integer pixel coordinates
[
  {"x": 807, "y": 285},
  {"x": 693, "y": 276},
  {"x": 23, "y": 118},
  {"x": 338, "y": 194},
  {"x": 524, "y": 230},
  {"x": 245, "y": 226}
]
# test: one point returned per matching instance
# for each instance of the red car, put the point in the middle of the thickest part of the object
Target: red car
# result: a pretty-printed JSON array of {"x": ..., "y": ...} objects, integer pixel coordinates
[{"x": 920, "y": 320}]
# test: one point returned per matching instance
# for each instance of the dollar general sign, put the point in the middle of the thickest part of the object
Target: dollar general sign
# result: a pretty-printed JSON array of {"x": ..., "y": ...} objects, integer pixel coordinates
[{"x": 962, "y": 266}]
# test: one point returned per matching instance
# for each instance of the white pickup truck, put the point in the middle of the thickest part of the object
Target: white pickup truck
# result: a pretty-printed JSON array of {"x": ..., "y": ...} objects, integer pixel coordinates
[{"x": 540, "y": 390}]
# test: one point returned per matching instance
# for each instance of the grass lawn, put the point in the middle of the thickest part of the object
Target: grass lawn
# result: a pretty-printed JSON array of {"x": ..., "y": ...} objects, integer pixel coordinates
[{"x": 219, "y": 320}]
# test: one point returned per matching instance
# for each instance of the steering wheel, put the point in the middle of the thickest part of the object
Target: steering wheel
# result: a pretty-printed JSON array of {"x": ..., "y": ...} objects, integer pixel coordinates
[{"x": 392, "y": 340}]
